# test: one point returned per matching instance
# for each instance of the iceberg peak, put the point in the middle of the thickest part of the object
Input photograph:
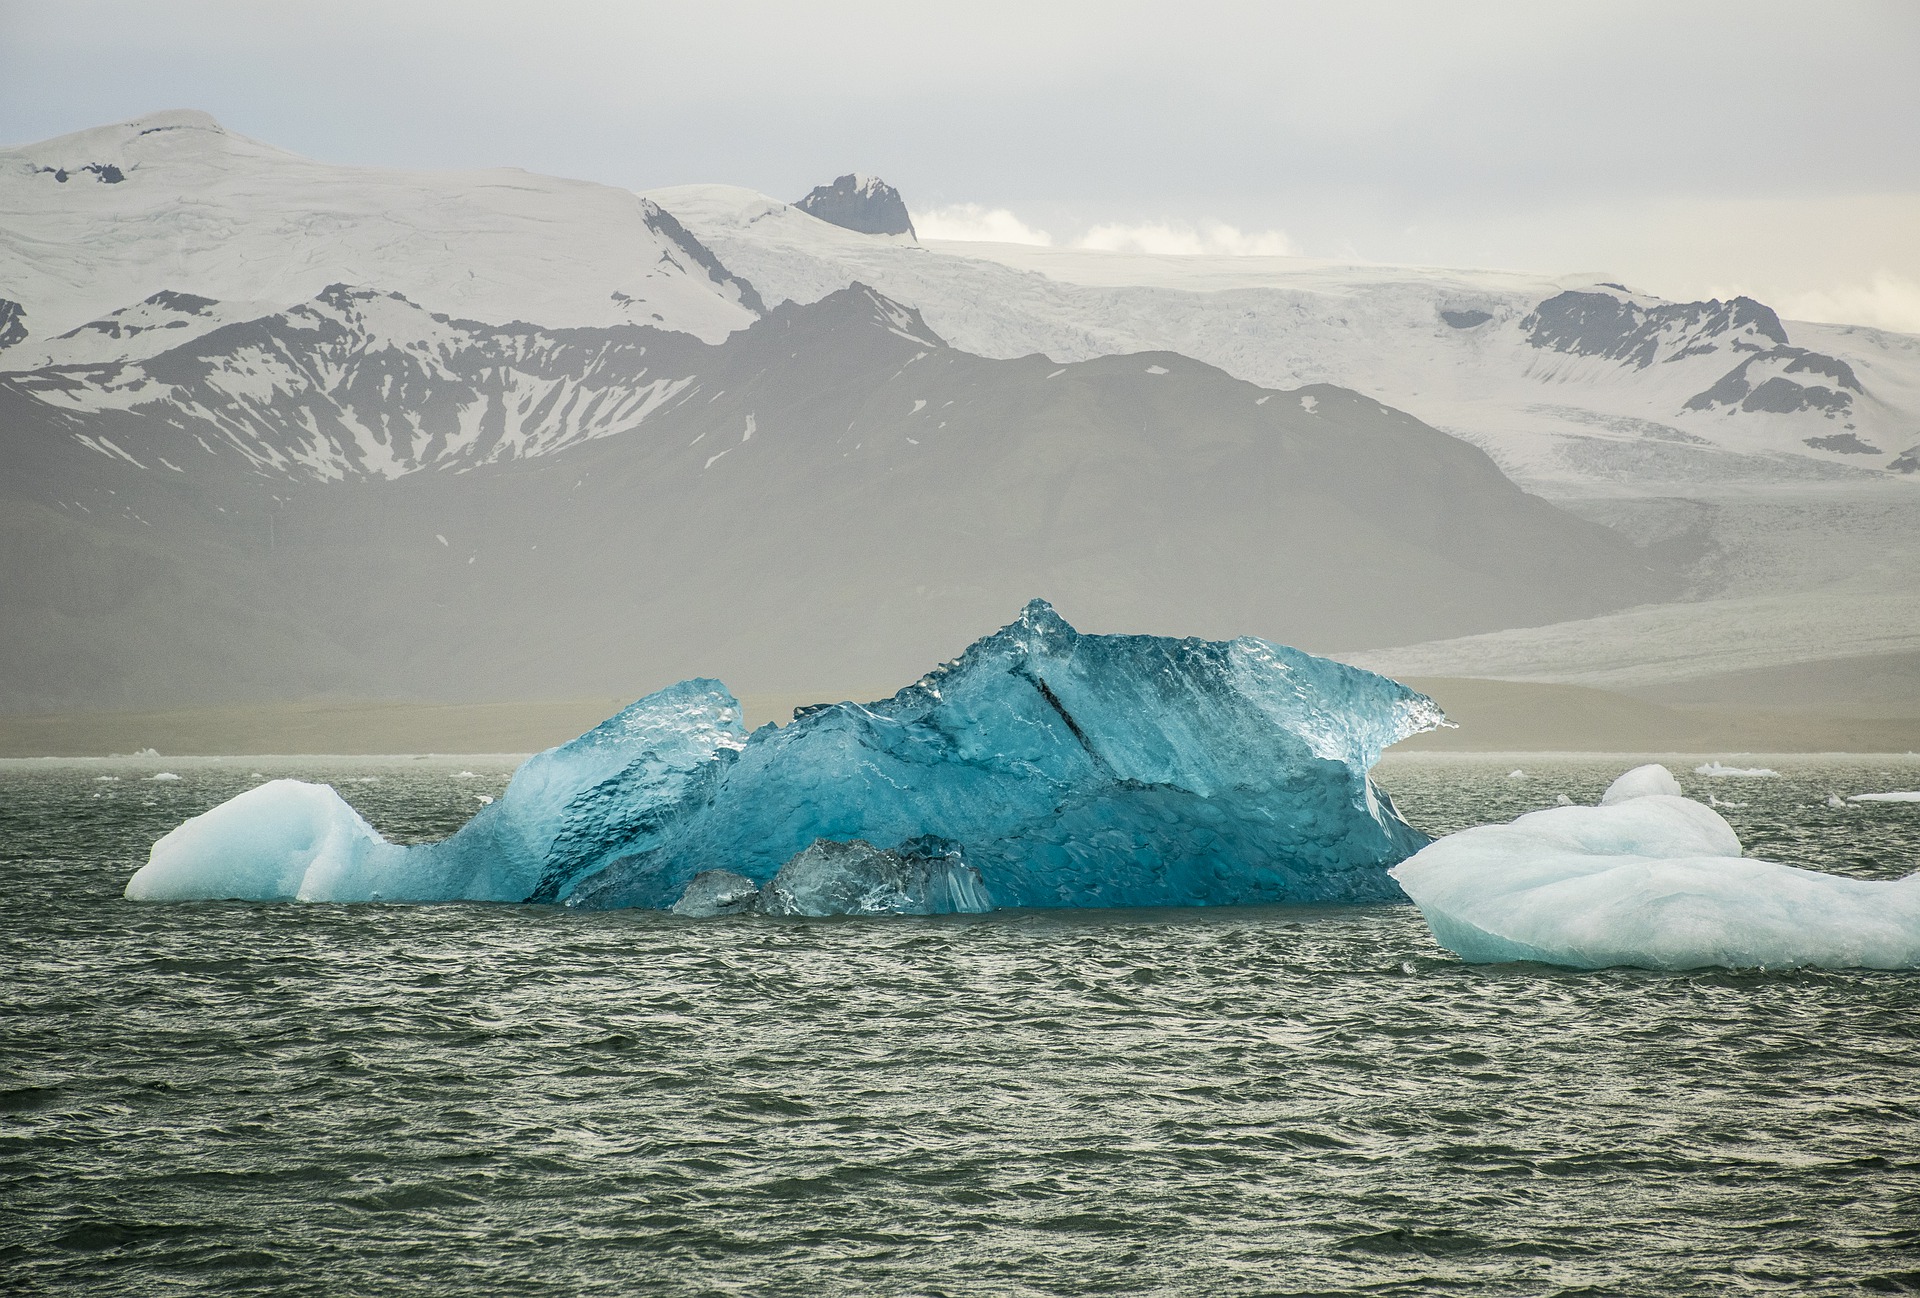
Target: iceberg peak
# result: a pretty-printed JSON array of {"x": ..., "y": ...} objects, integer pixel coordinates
[
  {"x": 1042, "y": 767},
  {"x": 1650, "y": 781}
]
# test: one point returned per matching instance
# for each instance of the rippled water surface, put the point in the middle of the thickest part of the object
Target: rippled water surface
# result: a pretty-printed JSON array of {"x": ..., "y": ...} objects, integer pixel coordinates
[{"x": 506, "y": 1100}]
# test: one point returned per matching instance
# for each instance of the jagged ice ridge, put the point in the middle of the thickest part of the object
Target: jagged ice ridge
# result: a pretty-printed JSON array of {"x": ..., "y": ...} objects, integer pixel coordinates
[{"x": 1041, "y": 768}]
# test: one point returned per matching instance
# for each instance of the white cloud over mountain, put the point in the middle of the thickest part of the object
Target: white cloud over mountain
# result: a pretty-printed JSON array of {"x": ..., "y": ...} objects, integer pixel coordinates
[{"x": 977, "y": 223}]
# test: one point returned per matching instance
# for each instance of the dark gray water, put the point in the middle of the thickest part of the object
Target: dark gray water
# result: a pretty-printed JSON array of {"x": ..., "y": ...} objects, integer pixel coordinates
[{"x": 502, "y": 1101}]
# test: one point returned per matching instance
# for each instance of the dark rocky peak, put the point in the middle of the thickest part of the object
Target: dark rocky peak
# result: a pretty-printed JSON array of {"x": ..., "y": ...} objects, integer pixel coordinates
[
  {"x": 855, "y": 307},
  {"x": 1621, "y": 329},
  {"x": 13, "y": 322},
  {"x": 1759, "y": 383},
  {"x": 184, "y": 303},
  {"x": 867, "y": 204}
]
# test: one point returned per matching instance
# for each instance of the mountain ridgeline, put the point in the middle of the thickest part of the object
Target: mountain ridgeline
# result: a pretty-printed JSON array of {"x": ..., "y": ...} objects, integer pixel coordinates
[
  {"x": 492, "y": 435},
  {"x": 355, "y": 497}
]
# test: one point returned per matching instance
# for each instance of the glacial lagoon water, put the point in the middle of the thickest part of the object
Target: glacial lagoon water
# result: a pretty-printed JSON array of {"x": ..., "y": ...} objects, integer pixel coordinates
[{"x": 462, "y": 1099}]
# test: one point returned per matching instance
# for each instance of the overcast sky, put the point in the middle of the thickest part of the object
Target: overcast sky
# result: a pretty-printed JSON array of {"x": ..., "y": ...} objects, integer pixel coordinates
[{"x": 1688, "y": 146}]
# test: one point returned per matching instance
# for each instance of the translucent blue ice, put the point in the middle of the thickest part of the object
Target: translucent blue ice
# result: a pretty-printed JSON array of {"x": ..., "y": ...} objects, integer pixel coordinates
[
  {"x": 858, "y": 878},
  {"x": 1065, "y": 769}
]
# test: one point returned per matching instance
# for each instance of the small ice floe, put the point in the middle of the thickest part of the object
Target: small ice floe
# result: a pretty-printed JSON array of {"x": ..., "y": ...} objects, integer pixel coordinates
[
  {"x": 484, "y": 799},
  {"x": 1156, "y": 369},
  {"x": 255, "y": 775},
  {"x": 1562, "y": 800},
  {"x": 1720, "y": 772},
  {"x": 1899, "y": 796},
  {"x": 1516, "y": 774},
  {"x": 464, "y": 775},
  {"x": 163, "y": 776},
  {"x": 1652, "y": 879},
  {"x": 1715, "y": 802},
  {"x": 1835, "y": 800},
  {"x": 106, "y": 779}
]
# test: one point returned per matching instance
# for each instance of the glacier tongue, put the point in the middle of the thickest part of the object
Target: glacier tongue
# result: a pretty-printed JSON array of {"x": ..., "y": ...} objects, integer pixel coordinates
[
  {"x": 1058, "y": 769},
  {"x": 1652, "y": 879}
]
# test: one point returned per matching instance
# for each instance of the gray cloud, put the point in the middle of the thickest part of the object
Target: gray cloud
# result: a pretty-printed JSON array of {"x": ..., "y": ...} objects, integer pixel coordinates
[{"x": 1354, "y": 122}]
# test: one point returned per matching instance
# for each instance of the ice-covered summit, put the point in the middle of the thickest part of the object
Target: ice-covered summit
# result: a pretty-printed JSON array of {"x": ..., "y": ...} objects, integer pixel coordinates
[
  {"x": 1042, "y": 767},
  {"x": 95, "y": 220},
  {"x": 866, "y": 204}
]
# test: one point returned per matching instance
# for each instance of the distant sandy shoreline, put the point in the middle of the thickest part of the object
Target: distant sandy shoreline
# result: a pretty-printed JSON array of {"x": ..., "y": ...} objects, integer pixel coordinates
[{"x": 1492, "y": 716}]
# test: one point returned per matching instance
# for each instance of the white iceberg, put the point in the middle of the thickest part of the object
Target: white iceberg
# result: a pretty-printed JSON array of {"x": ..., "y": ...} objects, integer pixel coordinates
[
  {"x": 1654, "y": 880},
  {"x": 1642, "y": 781},
  {"x": 1899, "y": 796},
  {"x": 1722, "y": 772},
  {"x": 298, "y": 841}
]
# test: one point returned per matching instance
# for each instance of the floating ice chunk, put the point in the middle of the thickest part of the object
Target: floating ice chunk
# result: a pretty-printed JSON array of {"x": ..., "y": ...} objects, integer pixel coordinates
[
  {"x": 1656, "y": 881},
  {"x": 280, "y": 841},
  {"x": 1721, "y": 772},
  {"x": 1074, "y": 771},
  {"x": 1516, "y": 774},
  {"x": 1652, "y": 780},
  {"x": 717, "y": 892},
  {"x": 1712, "y": 801},
  {"x": 1069, "y": 770},
  {"x": 163, "y": 776},
  {"x": 857, "y": 878},
  {"x": 1835, "y": 800},
  {"x": 463, "y": 775},
  {"x": 1562, "y": 800},
  {"x": 1902, "y": 796}
]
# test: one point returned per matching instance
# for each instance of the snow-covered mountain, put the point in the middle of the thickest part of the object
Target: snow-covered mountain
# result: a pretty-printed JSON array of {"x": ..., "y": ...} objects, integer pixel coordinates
[
  {"x": 359, "y": 383},
  {"x": 323, "y": 501},
  {"x": 522, "y": 421},
  {"x": 1571, "y": 384},
  {"x": 93, "y": 222},
  {"x": 124, "y": 241}
]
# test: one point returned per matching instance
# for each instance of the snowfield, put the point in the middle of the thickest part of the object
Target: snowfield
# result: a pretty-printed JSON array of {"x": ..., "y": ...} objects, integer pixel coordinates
[
  {"x": 1566, "y": 405},
  {"x": 97, "y": 221}
]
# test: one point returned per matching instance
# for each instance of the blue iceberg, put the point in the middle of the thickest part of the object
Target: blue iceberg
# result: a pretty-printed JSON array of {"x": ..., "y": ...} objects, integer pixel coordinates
[{"x": 1041, "y": 768}]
